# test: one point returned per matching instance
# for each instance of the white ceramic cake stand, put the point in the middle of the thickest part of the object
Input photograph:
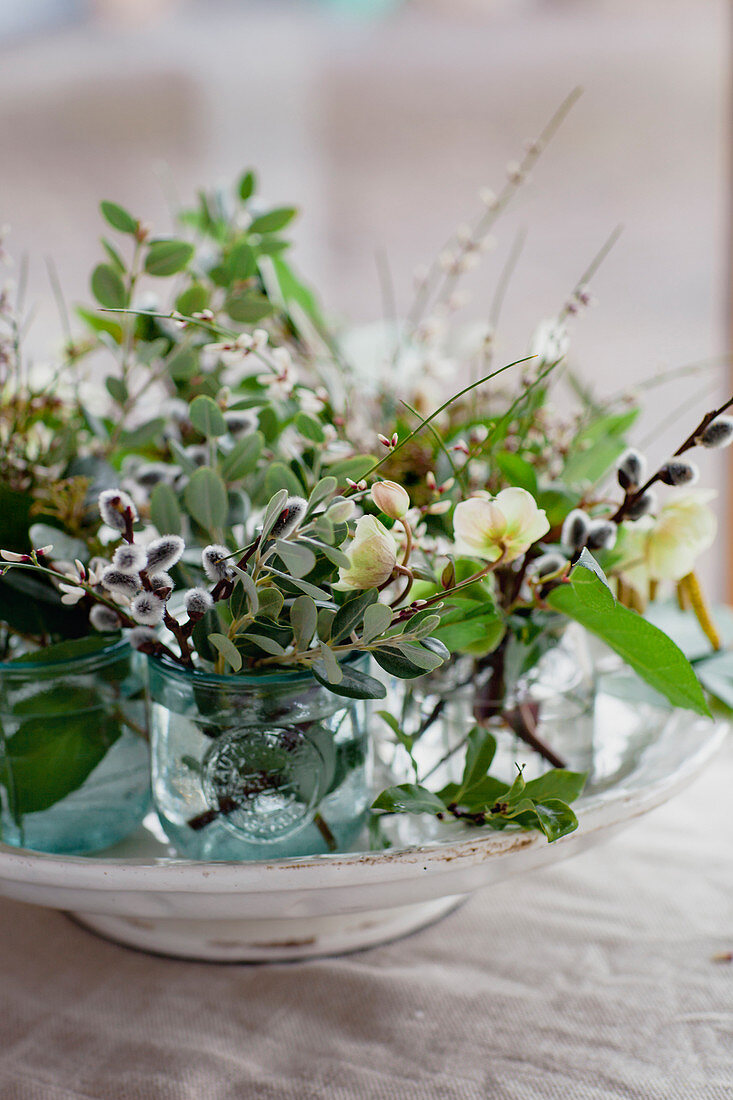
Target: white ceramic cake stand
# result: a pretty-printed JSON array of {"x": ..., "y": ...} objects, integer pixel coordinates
[{"x": 138, "y": 895}]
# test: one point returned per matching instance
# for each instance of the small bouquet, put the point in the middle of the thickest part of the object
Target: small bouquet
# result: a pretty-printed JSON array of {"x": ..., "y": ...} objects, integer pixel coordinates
[{"x": 239, "y": 517}]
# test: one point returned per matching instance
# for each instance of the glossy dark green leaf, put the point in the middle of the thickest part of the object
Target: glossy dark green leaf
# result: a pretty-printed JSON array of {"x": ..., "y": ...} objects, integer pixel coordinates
[
  {"x": 654, "y": 656},
  {"x": 350, "y": 615},
  {"x": 409, "y": 798},
  {"x": 354, "y": 685}
]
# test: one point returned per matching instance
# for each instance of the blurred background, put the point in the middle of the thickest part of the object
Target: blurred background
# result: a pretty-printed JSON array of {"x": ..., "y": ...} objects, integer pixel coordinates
[{"x": 382, "y": 120}]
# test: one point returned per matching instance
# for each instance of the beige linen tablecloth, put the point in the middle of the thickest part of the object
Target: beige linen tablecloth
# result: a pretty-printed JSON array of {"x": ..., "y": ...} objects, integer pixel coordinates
[{"x": 590, "y": 980}]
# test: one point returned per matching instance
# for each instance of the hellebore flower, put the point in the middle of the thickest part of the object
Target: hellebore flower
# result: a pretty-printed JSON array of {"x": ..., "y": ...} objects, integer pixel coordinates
[
  {"x": 507, "y": 524},
  {"x": 372, "y": 556},
  {"x": 391, "y": 499},
  {"x": 666, "y": 548}
]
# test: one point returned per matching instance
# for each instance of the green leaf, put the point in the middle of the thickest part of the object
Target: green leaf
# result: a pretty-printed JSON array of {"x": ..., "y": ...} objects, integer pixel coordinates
[
  {"x": 228, "y": 650},
  {"x": 116, "y": 260},
  {"x": 143, "y": 434},
  {"x": 274, "y": 507},
  {"x": 99, "y": 322},
  {"x": 280, "y": 476},
  {"x": 303, "y": 619},
  {"x": 271, "y": 603},
  {"x": 355, "y": 467},
  {"x": 242, "y": 261},
  {"x": 401, "y": 660},
  {"x": 192, "y": 300},
  {"x": 65, "y": 548},
  {"x": 118, "y": 217},
  {"x": 52, "y": 754},
  {"x": 350, "y": 615},
  {"x": 517, "y": 471},
  {"x": 108, "y": 288},
  {"x": 556, "y": 819},
  {"x": 69, "y": 650},
  {"x": 247, "y": 185},
  {"x": 268, "y": 644},
  {"x": 354, "y": 685},
  {"x": 248, "y": 307},
  {"x": 480, "y": 751},
  {"x": 165, "y": 511},
  {"x": 243, "y": 458},
  {"x": 250, "y": 589},
  {"x": 556, "y": 784},
  {"x": 300, "y": 561},
  {"x": 273, "y": 220},
  {"x": 182, "y": 364},
  {"x": 324, "y": 488},
  {"x": 117, "y": 389},
  {"x": 206, "y": 499},
  {"x": 408, "y": 798},
  {"x": 309, "y": 428},
  {"x": 166, "y": 257},
  {"x": 207, "y": 417},
  {"x": 333, "y": 671},
  {"x": 655, "y": 657},
  {"x": 377, "y": 619}
]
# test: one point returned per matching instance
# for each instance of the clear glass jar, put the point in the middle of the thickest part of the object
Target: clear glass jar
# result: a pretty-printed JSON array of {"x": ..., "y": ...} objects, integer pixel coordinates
[
  {"x": 256, "y": 766},
  {"x": 74, "y": 762},
  {"x": 554, "y": 702}
]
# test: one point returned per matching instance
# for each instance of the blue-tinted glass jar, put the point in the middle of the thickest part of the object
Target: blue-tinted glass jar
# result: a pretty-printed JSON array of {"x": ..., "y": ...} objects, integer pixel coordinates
[
  {"x": 256, "y": 766},
  {"x": 74, "y": 760}
]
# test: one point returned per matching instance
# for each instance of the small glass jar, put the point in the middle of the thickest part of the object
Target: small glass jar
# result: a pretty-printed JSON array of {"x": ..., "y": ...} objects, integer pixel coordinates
[
  {"x": 554, "y": 701},
  {"x": 256, "y": 766},
  {"x": 74, "y": 762}
]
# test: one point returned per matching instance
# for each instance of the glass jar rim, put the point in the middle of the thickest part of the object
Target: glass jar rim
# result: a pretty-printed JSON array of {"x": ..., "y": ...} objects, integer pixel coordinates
[
  {"x": 88, "y": 662},
  {"x": 173, "y": 670}
]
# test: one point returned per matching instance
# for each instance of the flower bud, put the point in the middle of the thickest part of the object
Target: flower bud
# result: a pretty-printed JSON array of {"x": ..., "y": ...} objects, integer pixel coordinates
[
  {"x": 546, "y": 564},
  {"x": 161, "y": 580},
  {"x": 678, "y": 472},
  {"x": 292, "y": 512},
  {"x": 238, "y": 423},
  {"x": 575, "y": 530},
  {"x": 198, "y": 602},
  {"x": 643, "y": 505},
  {"x": 129, "y": 559},
  {"x": 148, "y": 608},
  {"x": 117, "y": 509},
  {"x": 164, "y": 552},
  {"x": 104, "y": 618},
  {"x": 372, "y": 556},
  {"x": 719, "y": 433},
  {"x": 215, "y": 562},
  {"x": 143, "y": 638},
  {"x": 630, "y": 469},
  {"x": 391, "y": 499},
  {"x": 122, "y": 584},
  {"x": 601, "y": 534}
]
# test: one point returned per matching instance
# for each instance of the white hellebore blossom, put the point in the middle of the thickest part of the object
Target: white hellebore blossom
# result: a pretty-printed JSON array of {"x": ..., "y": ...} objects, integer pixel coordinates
[
  {"x": 391, "y": 499},
  {"x": 666, "y": 548},
  {"x": 372, "y": 556},
  {"x": 507, "y": 524}
]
